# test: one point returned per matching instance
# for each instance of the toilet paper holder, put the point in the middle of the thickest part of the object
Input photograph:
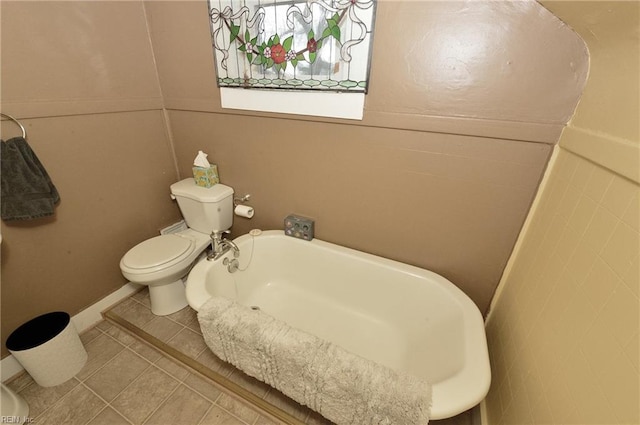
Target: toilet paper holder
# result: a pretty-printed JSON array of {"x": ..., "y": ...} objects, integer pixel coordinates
[
  {"x": 237, "y": 200},
  {"x": 241, "y": 209}
]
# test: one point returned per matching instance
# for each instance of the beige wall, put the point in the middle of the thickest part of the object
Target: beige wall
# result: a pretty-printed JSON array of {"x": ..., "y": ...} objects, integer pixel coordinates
[
  {"x": 453, "y": 204},
  {"x": 512, "y": 66},
  {"x": 563, "y": 329},
  {"x": 463, "y": 108},
  {"x": 90, "y": 100}
]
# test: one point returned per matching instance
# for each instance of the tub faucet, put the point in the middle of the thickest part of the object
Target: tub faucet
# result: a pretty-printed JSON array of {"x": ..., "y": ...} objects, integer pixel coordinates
[{"x": 220, "y": 246}]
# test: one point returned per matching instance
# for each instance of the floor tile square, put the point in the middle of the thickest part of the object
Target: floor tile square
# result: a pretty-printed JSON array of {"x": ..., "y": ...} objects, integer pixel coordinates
[
  {"x": 114, "y": 377},
  {"x": 184, "y": 407},
  {"x": 109, "y": 417},
  {"x": 188, "y": 342},
  {"x": 76, "y": 408},
  {"x": 99, "y": 351},
  {"x": 218, "y": 416},
  {"x": 144, "y": 395}
]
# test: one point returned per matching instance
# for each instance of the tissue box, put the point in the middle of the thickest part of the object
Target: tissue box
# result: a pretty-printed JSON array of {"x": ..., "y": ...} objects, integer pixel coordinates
[{"x": 206, "y": 177}]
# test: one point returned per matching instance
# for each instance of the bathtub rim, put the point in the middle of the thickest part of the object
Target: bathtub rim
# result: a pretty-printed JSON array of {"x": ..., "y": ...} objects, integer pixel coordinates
[{"x": 446, "y": 394}]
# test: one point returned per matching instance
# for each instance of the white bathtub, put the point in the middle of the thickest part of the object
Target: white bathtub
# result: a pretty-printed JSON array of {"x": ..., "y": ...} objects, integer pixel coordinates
[{"x": 404, "y": 317}]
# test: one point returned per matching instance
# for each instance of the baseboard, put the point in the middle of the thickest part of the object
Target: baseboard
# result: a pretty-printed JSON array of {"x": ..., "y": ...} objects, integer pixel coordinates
[
  {"x": 10, "y": 367},
  {"x": 84, "y": 320},
  {"x": 90, "y": 316}
]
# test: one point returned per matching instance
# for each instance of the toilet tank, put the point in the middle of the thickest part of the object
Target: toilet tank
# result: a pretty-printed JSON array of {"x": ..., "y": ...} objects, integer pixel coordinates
[{"x": 204, "y": 209}]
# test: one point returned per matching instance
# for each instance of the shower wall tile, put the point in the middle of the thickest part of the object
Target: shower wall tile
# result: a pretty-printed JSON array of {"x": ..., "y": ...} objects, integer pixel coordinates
[{"x": 563, "y": 334}]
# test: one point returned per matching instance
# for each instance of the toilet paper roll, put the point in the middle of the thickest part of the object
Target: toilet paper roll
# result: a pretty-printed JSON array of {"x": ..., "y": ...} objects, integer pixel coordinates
[{"x": 244, "y": 211}]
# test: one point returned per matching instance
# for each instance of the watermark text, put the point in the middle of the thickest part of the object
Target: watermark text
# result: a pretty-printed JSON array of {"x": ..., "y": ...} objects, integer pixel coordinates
[{"x": 16, "y": 420}]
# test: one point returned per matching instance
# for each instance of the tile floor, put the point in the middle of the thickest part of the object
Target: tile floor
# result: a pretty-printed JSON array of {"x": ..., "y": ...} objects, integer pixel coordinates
[
  {"x": 128, "y": 382},
  {"x": 125, "y": 381}
]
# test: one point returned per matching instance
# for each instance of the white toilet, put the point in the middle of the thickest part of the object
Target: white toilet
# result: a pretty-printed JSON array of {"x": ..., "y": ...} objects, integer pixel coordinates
[
  {"x": 163, "y": 261},
  {"x": 13, "y": 408}
]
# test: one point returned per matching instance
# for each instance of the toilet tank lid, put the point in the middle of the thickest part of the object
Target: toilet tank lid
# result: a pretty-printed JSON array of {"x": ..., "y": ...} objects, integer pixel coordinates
[{"x": 189, "y": 189}]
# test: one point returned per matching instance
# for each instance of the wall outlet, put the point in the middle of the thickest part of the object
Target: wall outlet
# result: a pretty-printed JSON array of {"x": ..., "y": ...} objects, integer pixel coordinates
[{"x": 299, "y": 227}]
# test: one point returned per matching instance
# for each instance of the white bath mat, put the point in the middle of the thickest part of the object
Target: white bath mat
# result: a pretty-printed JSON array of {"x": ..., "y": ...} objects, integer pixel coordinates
[{"x": 341, "y": 386}]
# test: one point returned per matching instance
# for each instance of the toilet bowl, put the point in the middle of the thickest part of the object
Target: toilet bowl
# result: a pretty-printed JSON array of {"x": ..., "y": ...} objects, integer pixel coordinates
[
  {"x": 163, "y": 261},
  {"x": 13, "y": 408}
]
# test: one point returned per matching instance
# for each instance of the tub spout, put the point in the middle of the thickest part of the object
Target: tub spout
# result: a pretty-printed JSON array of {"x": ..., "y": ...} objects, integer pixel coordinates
[
  {"x": 227, "y": 245},
  {"x": 220, "y": 246}
]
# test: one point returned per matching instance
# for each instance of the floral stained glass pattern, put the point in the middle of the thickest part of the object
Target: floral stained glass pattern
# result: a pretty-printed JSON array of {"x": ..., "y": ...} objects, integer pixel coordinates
[{"x": 311, "y": 44}]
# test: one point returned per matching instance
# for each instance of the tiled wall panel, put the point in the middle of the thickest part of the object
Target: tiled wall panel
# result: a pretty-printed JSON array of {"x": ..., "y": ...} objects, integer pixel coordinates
[{"x": 564, "y": 333}]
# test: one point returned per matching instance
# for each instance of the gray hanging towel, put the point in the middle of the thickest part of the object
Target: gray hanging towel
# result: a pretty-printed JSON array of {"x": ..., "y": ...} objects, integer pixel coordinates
[{"x": 27, "y": 190}]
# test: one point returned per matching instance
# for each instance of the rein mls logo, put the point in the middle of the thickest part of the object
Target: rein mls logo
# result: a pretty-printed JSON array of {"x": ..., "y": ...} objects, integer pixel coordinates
[{"x": 16, "y": 420}]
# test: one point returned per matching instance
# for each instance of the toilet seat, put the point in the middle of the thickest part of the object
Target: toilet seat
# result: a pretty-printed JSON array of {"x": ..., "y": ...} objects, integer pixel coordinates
[{"x": 157, "y": 253}]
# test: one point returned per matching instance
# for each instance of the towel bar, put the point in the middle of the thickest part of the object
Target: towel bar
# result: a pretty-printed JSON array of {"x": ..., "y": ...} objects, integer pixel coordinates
[{"x": 24, "y": 132}]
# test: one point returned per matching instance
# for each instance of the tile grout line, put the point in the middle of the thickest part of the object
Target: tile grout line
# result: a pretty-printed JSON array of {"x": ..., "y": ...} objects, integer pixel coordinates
[
  {"x": 185, "y": 325},
  {"x": 141, "y": 301},
  {"x": 206, "y": 413},
  {"x": 226, "y": 411},
  {"x": 49, "y": 408},
  {"x": 203, "y": 370},
  {"x": 60, "y": 399},
  {"x": 214, "y": 402},
  {"x": 150, "y": 365},
  {"x": 164, "y": 400},
  {"x": 82, "y": 383},
  {"x": 180, "y": 382},
  {"x": 108, "y": 403}
]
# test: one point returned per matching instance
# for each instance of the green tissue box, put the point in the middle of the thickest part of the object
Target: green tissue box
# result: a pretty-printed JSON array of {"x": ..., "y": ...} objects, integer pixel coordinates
[{"x": 206, "y": 177}]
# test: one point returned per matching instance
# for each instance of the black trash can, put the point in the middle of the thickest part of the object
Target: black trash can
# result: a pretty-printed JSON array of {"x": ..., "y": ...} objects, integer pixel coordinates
[{"x": 49, "y": 348}]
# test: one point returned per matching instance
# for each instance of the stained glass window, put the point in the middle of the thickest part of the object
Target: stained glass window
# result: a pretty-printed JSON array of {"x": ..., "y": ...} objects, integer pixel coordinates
[{"x": 306, "y": 45}]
